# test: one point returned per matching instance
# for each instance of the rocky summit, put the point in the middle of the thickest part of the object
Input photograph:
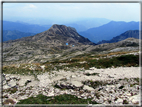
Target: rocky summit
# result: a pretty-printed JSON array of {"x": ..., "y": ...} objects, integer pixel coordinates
[{"x": 59, "y": 35}]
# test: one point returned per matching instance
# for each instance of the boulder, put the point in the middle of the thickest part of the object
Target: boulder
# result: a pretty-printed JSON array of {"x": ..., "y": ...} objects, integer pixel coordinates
[
  {"x": 119, "y": 101},
  {"x": 9, "y": 101},
  {"x": 12, "y": 83},
  {"x": 6, "y": 86},
  {"x": 22, "y": 82},
  {"x": 73, "y": 76},
  {"x": 71, "y": 85},
  {"x": 135, "y": 99},
  {"x": 77, "y": 84},
  {"x": 88, "y": 88}
]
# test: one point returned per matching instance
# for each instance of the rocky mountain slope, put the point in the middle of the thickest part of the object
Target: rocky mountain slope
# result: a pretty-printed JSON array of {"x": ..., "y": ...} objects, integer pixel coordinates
[
  {"x": 30, "y": 52},
  {"x": 125, "y": 35},
  {"x": 54, "y": 42},
  {"x": 58, "y": 43}
]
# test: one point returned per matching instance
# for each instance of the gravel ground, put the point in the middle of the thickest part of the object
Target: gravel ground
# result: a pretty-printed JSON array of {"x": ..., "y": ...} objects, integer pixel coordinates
[
  {"x": 103, "y": 74},
  {"x": 47, "y": 80}
]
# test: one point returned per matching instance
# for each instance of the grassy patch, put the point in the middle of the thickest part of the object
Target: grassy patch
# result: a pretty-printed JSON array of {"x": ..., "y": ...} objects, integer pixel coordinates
[
  {"x": 10, "y": 90},
  {"x": 96, "y": 84},
  {"x": 61, "y": 99},
  {"x": 124, "y": 60},
  {"x": 68, "y": 64}
]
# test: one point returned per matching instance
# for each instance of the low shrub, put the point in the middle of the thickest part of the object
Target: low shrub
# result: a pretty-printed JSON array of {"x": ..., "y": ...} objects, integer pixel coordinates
[
  {"x": 88, "y": 74},
  {"x": 60, "y": 99}
]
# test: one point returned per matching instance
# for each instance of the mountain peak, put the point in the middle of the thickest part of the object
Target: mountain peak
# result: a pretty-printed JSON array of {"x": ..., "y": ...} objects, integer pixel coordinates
[
  {"x": 68, "y": 34},
  {"x": 56, "y": 27},
  {"x": 59, "y": 34}
]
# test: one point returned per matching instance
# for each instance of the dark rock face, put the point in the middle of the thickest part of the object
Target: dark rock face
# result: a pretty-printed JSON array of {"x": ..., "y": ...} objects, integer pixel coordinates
[{"x": 123, "y": 36}]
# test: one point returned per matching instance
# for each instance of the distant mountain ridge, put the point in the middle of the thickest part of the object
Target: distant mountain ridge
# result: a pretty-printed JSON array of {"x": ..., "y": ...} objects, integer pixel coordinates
[
  {"x": 97, "y": 34},
  {"x": 80, "y": 25},
  {"x": 24, "y": 27},
  {"x": 86, "y": 24},
  {"x": 109, "y": 30},
  {"x": 14, "y": 34},
  {"x": 123, "y": 36}
]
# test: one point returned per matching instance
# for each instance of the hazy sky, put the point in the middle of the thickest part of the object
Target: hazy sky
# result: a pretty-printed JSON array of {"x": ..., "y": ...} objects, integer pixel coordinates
[{"x": 71, "y": 11}]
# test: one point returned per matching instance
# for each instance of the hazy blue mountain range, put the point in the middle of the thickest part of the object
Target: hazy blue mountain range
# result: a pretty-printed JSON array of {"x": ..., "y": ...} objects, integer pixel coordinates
[
  {"x": 109, "y": 30},
  {"x": 123, "y": 36},
  {"x": 24, "y": 27},
  {"x": 12, "y": 35},
  {"x": 86, "y": 24},
  {"x": 78, "y": 27},
  {"x": 38, "y": 26},
  {"x": 96, "y": 34},
  {"x": 93, "y": 22}
]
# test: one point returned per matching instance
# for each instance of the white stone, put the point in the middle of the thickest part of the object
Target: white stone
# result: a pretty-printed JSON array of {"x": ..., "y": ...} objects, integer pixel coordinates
[
  {"x": 135, "y": 99},
  {"x": 88, "y": 88},
  {"x": 76, "y": 83},
  {"x": 73, "y": 76},
  {"x": 100, "y": 75},
  {"x": 43, "y": 67},
  {"x": 23, "y": 97},
  {"x": 83, "y": 95},
  {"x": 6, "y": 86},
  {"x": 51, "y": 93},
  {"x": 119, "y": 101},
  {"x": 12, "y": 83},
  {"x": 128, "y": 94},
  {"x": 7, "y": 77},
  {"x": 4, "y": 82}
]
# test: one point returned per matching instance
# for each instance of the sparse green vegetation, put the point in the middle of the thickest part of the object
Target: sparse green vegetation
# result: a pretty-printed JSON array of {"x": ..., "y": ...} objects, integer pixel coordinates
[
  {"x": 129, "y": 44},
  {"x": 125, "y": 102},
  {"x": 61, "y": 99},
  {"x": 68, "y": 64},
  {"x": 88, "y": 74},
  {"x": 96, "y": 84},
  {"x": 11, "y": 90},
  {"x": 124, "y": 60}
]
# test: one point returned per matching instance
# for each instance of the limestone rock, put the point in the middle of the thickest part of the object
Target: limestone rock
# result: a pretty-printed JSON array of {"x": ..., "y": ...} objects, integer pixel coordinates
[
  {"x": 135, "y": 99},
  {"x": 119, "y": 101},
  {"x": 88, "y": 88},
  {"x": 6, "y": 86},
  {"x": 12, "y": 83},
  {"x": 76, "y": 83}
]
